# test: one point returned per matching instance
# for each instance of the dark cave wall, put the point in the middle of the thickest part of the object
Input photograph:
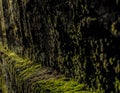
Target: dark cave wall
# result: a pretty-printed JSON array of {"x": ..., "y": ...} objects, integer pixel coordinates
[{"x": 79, "y": 38}]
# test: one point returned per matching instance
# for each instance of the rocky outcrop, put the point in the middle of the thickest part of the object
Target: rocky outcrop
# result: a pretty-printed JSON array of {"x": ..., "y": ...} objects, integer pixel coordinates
[
  {"x": 79, "y": 38},
  {"x": 21, "y": 75}
]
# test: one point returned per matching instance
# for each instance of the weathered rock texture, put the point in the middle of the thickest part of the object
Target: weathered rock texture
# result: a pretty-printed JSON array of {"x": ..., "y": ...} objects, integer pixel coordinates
[{"x": 79, "y": 38}]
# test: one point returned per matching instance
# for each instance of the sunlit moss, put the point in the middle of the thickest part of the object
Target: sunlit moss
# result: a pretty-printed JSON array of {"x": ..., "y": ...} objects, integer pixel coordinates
[{"x": 60, "y": 85}]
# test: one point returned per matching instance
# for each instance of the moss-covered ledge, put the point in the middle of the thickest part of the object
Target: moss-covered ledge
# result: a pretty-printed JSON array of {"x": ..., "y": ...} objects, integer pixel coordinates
[{"x": 21, "y": 75}]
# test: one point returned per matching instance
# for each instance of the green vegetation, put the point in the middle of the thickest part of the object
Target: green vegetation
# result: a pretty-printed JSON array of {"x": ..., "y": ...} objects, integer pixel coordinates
[
  {"x": 46, "y": 39},
  {"x": 59, "y": 86},
  {"x": 36, "y": 78}
]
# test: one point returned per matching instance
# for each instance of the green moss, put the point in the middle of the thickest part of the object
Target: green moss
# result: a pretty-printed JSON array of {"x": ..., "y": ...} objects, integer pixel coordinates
[
  {"x": 3, "y": 86},
  {"x": 29, "y": 71},
  {"x": 24, "y": 70},
  {"x": 60, "y": 86}
]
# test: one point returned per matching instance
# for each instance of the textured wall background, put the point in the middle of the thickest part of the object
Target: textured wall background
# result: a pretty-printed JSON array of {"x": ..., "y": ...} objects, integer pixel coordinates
[{"x": 79, "y": 38}]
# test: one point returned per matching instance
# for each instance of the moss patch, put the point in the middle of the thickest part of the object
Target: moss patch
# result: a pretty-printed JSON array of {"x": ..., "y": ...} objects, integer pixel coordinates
[
  {"x": 30, "y": 77},
  {"x": 59, "y": 86}
]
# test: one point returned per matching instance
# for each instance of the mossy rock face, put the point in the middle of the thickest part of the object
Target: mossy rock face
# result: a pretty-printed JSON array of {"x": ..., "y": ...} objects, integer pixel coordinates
[
  {"x": 59, "y": 86},
  {"x": 24, "y": 76},
  {"x": 80, "y": 38}
]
